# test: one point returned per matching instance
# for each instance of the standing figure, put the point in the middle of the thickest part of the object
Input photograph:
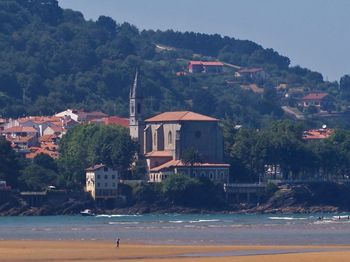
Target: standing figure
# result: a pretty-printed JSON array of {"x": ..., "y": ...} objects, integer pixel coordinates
[{"x": 117, "y": 242}]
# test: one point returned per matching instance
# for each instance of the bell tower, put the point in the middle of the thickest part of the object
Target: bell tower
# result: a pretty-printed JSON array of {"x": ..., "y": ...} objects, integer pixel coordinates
[{"x": 136, "y": 124}]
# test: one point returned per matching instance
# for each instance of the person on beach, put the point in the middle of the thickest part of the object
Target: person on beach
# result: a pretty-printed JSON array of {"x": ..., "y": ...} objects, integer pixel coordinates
[{"x": 117, "y": 242}]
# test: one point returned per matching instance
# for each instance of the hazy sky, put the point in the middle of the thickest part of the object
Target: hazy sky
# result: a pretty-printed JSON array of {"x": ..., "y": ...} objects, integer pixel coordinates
[{"x": 312, "y": 33}]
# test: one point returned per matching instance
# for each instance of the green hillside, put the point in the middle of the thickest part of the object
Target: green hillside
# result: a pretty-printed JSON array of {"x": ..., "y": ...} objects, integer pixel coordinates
[{"x": 53, "y": 58}]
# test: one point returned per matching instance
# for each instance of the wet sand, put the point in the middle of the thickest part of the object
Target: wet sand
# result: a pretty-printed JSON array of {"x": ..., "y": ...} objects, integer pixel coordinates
[{"x": 11, "y": 251}]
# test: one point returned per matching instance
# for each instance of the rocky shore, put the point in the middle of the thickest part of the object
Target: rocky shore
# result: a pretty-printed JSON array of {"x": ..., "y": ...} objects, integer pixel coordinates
[{"x": 295, "y": 199}]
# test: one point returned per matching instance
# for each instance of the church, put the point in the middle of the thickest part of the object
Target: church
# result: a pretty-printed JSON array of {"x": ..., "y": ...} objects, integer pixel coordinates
[{"x": 164, "y": 139}]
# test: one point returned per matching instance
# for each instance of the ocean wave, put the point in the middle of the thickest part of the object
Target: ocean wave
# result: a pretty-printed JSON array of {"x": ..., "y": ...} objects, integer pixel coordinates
[
  {"x": 123, "y": 223},
  {"x": 204, "y": 220},
  {"x": 109, "y": 216},
  {"x": 288, "y": 218},
  {"x": 176, "y": 221}
]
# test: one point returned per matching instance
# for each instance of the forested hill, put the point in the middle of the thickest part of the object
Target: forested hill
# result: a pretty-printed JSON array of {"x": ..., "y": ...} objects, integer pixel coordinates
[{"x": 53, "y": 58}]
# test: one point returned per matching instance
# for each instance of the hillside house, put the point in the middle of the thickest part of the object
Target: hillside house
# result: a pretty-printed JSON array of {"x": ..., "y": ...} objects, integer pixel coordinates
[
  {"x": 253, "y": 74},
  {"x": 102, "y": 182},
  {"x": 317, "y": 134},
  {"x": 321, "y": 101},
  {"x": 205, "y": 67}
]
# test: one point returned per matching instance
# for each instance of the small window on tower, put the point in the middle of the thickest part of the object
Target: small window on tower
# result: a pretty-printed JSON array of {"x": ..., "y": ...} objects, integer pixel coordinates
[{"x": 132, "y": 108}]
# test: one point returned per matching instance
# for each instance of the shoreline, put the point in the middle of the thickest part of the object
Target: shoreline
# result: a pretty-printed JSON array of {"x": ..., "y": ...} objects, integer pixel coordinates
[{"x": 40, "y": 250}]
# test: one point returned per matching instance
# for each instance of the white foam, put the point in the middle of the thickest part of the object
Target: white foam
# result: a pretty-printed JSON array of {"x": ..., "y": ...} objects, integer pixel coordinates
[
  {"x": 204, "y": 220},
  {"x": 288, "y": 218},
  {"x": 109, "y": 216}
]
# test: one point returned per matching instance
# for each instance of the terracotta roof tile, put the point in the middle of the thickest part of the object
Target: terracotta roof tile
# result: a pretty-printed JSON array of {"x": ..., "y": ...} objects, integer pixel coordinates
[
  {"x": 180, "y": 116},
  {"x": 315, "y": 96},
  {"x": 20, "y": 129}
]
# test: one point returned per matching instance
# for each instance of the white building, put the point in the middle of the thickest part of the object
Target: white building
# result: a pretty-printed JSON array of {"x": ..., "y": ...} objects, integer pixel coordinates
[{"x": 102, "y": 182}]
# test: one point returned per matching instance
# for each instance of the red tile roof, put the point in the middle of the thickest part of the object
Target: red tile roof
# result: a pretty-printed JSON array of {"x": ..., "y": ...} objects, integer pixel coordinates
[
  {"x": 39, "y": 119},
  {"x": 20, "y": 129},
  {"x": 180, "y": 116},
  {"x": 116, "y": 120},
  {"x": 315, "y": 134},
  {"x": 47, "y": 138},
  {"x": 315, "y": 96},
  {"x": 179, "y": 163}
]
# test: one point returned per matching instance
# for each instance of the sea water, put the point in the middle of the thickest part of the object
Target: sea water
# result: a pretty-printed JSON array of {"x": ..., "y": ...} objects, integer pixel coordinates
[{"x": 233, "y": 229}]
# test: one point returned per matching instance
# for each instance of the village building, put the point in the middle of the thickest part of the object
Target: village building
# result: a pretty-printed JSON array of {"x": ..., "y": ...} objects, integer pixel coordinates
[
  {"x": 102, "y": 182},
  {"x": 252, "y": 74},
  {"x": 205, "y": 67},
  {"x": 80, "y": 115},
  {"x": 165, "y": 138},
  {"x": 112, "y": 120},
  {"x": 321, "y": 101},
  {"x": 317, "y": 134}
]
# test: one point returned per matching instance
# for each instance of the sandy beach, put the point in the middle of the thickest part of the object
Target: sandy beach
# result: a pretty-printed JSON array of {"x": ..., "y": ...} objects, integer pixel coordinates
[{"x": 106, "y": 251}]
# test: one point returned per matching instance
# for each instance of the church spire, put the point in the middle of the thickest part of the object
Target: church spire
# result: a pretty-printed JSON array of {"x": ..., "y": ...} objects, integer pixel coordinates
[
  {"x": 136, "y": 124},
  {"x": 134, "y": 89}
]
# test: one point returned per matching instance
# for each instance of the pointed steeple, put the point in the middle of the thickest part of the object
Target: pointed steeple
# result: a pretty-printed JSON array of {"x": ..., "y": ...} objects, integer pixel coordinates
[{"x": 134, "y": 89}]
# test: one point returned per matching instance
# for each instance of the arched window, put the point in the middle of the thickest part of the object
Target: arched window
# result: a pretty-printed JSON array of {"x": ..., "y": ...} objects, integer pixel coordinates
[{"x": 170, "y": 138}]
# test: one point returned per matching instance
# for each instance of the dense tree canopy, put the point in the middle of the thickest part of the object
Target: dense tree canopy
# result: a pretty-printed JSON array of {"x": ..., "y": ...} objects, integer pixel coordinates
[
  {"x": 87, "y": 145},
  {"x": 53, "y": 59}
]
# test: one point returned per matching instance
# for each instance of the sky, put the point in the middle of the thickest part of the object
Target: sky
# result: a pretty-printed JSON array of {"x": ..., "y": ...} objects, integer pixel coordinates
[{"x": 313, "y": 33}]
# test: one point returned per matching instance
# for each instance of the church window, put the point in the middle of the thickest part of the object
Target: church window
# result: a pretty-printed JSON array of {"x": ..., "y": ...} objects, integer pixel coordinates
[
  {"x": 211, "y": 175},
  {"x": 170, "y": 138},
  {"x": 197, "y": 134},
  {"x": 132, "y": 108}
]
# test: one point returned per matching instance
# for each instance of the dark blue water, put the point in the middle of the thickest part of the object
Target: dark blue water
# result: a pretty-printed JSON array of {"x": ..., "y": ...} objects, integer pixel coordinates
[{"x": 235, "y": 229}]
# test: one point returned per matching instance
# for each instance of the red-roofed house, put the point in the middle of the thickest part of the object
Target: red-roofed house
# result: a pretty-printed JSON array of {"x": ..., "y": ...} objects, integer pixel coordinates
[
  {"x": 319, "y": 100},
  {"x": 112, "y": 120},
  {"x": 317, "y": 134},
  {"x": 205, "y": 67}
]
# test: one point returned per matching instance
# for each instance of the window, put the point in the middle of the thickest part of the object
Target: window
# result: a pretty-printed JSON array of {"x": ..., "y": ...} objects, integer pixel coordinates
[
  {"x": 105, "y": 169},
  {"x": 113, "y": 176},
  {"x": 132, "y": 109},
  {"x": 211, "y": 175},
  {"x": 106, "y": 184},
  {"x": 170, "y": 138},
  {"x": 106, "y": 176},
  {"x": 113, "y": 185},
  {"x": 98, "y": 176},
  {"x": 98, "y": 185}
]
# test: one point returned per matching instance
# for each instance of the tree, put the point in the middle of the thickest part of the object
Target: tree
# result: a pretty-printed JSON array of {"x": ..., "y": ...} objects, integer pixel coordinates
[
  {"x": 87, "y": 145},
  {"x": 344, "y": 86},
  {"x": 190, "y": 157},
  {"x": 183, "y": 190},
  {"x": 9, "y": 163}
]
